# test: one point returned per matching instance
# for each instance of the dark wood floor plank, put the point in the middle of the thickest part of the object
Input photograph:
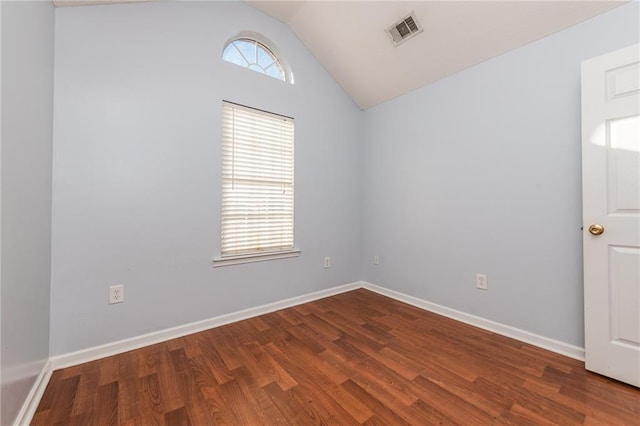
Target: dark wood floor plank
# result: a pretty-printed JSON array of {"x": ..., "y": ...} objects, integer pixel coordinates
[
  {"x": 128, "y": 389},
  {"x": 278, "y": 373},
  {"x": 353, "y": 358},
  {"x": 151, "y": 406},
  {"x": 239, "y": 404},
  {"x": 259, "y": 398},
  {"x": 311, "y": 308},
  {"x": 218, "y": 410},
  {"x": 376, "y": 375},
  {"x": 41, "y": 418},
  {"x": 289, "y": 408},
  {"x": 308, "y": 377},
  {"x": 63, "y": 399},
  {"x": 276, "y": 322},
  {"x": 581, "y": 384},
  {"x": 172, "y": 397},
  {"x": 192, "y": 345},
  {"x": 212, "y": 362},
  {"x": 355, "y": 330},
  {"x": 384, "y": 412},
  {"x": 411, "y": 366},
  {"x": 310, "y": 338},
  {"x": 352, "y": 405},
  {"x": 47, "y": 398},
  {"x": 450, "y": 404},
  {"x": 84, "y": 402},
  {"x": 291, "y": 316},
  {"x": 465, "y": 390},
  {"x": 259, "y": 324},
  {"x": 178, "y": 417},
  {"x": 106, "y": 412},
  {"x": 389, "y": 363},
  {"x": 260, "y": 375},
  {"x": 591, "y": 407},
  {"x": 307, "y": 358},
  {"x": 430, "y": 414},
  {"x": 328, "y": 332},
  {"x": 427, "y": 357},
  {"x": 109, "y": 369},
  {"x": 519, "y": 415},
  {"x": 225, "y": 344},
  {"x": 543, "y": 406},
  {"x": 194, "y": 408}
]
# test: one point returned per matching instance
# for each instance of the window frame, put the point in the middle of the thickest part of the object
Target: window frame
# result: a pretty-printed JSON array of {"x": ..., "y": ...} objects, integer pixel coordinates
[
  {"x": 228, "y": 173},
  {"x": 269, "y": 46}
]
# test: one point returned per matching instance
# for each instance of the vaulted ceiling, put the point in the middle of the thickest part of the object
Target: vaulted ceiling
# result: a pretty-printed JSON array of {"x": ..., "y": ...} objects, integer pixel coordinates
[{"x": 349, "y": 38}]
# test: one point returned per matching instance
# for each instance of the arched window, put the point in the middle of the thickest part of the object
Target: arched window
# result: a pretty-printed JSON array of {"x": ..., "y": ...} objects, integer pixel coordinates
[{"x": 250, "y": 51}]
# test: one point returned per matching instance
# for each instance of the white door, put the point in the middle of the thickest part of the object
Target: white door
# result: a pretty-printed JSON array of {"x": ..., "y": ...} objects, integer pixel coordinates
[{"x": 611, "y": 213}]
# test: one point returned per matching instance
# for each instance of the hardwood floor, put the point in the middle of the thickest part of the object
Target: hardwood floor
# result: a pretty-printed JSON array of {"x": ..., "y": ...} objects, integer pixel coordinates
[{"x": 354, "y": 358}]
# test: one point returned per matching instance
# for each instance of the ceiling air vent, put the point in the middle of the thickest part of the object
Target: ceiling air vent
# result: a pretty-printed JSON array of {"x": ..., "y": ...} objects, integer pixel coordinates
[{"x": 404, "y": 29}]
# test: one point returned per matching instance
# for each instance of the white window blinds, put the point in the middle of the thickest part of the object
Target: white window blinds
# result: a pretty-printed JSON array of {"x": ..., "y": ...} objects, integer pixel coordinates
[{"x": 257, "y": 181}]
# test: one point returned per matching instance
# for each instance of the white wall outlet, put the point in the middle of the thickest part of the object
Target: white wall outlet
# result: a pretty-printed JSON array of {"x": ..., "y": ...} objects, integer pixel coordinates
[
  {"x": 327, "y": 262},
  {"x": 376, "y": 260},
  {"x": 116, "y": 294},
  {"x": 481, "y": 282}
]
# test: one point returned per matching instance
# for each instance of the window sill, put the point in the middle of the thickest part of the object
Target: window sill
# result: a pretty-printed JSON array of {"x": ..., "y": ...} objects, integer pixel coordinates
[{"x": 250, "y": 258}]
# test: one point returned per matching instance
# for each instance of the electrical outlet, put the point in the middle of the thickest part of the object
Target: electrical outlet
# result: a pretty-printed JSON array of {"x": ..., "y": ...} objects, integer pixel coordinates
[
  {"x": 481, "y": 282},
  {"x": 327, "y": 262},
  {"x": 376, "y": 260},
  {"x": 116, "y": 294}
]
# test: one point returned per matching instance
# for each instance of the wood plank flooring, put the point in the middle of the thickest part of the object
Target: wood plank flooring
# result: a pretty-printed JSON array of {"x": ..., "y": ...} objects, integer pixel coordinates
[{"x": 354, "y": 358}]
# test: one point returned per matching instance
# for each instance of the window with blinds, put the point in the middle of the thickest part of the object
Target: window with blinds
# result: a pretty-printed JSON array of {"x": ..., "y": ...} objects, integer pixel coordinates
[{"x": 257, "y": 181}]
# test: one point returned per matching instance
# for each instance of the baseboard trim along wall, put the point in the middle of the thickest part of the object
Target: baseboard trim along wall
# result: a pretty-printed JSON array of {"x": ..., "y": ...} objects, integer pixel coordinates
[
  {"x": 552, "y": 345},
  {"x": 121, "y": 346},
  {"x": 35, "y": 395},
  {"x": 108, "y": 349}
]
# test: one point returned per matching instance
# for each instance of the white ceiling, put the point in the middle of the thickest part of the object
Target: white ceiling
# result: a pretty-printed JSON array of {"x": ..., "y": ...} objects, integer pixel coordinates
[
  {"x": 349, "y": 40},
  {"x": 348, "y": 37}
]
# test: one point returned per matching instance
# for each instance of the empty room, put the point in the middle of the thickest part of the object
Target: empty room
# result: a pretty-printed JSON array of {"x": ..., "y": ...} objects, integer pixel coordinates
[{"x": 320, "y": 212}]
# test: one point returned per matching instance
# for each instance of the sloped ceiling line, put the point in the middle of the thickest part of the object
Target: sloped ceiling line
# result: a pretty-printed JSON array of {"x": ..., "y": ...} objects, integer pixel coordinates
[{"x": 349, "y": 39}]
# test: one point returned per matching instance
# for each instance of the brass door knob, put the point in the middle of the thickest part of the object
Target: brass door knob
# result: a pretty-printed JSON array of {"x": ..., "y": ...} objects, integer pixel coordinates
[{"x": 596, "y": 229}]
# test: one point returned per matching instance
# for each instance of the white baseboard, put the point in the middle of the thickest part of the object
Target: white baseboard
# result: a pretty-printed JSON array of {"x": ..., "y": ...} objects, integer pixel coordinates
[
  {"x": 561, "y": 348},
  {"x": 35, "y": 394},
  {"x": 114, "y": 348}
]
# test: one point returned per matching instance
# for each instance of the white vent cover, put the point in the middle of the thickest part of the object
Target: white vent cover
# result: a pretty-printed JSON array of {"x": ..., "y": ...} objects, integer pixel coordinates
[{"x": 404, "y": 29}]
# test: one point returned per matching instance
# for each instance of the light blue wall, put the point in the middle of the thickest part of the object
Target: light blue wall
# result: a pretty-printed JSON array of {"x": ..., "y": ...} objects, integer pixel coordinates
[
  {"x": 477, "y": 173},
  {"x": 137, "y": 152},
  {"x": 480, "y": 173},
  {"x": 27, "y": 111}
]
